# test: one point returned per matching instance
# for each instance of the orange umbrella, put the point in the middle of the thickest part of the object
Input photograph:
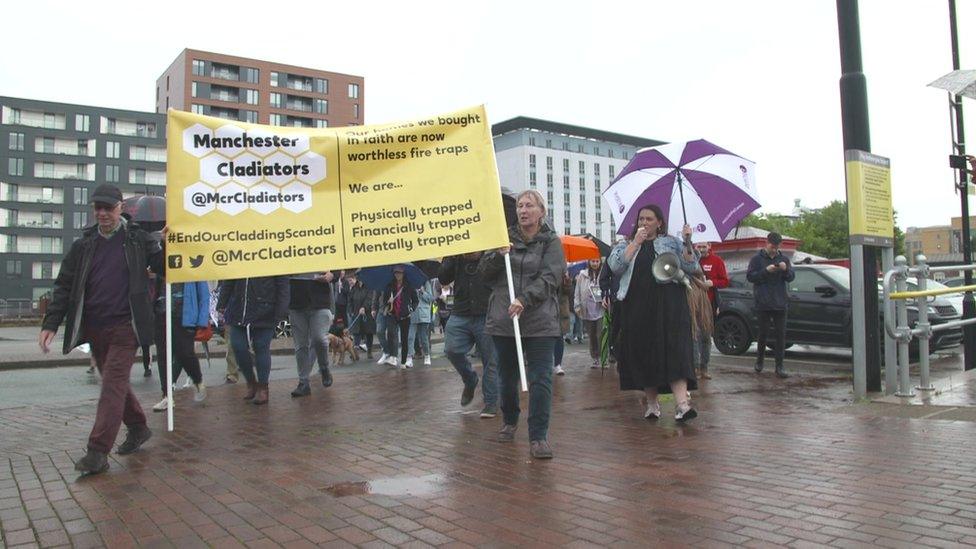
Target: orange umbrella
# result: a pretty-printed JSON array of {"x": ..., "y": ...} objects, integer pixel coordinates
[{"x": 577, "y": 248}]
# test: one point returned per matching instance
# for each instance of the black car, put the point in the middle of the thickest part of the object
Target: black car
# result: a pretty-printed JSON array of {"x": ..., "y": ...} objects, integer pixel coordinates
[{"x": 819, "y": 312}]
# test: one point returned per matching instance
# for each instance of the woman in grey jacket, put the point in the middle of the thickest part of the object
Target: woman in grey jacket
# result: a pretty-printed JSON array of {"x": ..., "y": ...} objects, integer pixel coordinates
[
  {"x": 538, "y": 265},
  {"x": 654, "y": 350}
]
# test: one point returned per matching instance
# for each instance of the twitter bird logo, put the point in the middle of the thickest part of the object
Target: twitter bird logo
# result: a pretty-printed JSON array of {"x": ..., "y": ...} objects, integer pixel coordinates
[{"x": 196, "y": 261}]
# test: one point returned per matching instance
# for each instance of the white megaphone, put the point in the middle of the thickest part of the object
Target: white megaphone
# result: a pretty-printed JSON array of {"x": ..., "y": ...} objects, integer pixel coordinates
[{"x": 667, "y": 268}]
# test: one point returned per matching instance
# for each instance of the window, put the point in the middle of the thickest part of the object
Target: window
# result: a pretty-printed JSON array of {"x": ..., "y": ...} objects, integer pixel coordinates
[
  {"x": 596, "y": 170},
  {"x": 566, "y": 182},
  {"x": 610, "y": 153},
  {"x": 355, "y": 111},
  {"x": 583, "y": 219},
  {"x": 596, "y": 185},
  {"x": 275, "y": 100},
  {"x": 82, "y": 122},
  {"x": 193, "y": 90},
  {"x": 806, "y": 281},
  {"x": 579, "y": 148},
  {"x": 548, "y": 143},
  {"x": 198, "y": 68},
  {"x": 532, "y": 178},
  {"x": 274, "y": 79},
  {"x": 44, "y": 145},
  {"x": 582, "y": 186},
  {"x": 626, "y": 155},
  {"x": 81, "y": 195},
  {"x": 51, "y": 121},
  {"x": 565, "y": 164},
  {"x": 14, "y": 266},
  {"x": 582, "y": 169},
  {"x": 15, "y": 166},
  {"x": 252, "y": 75},
  {"x": 251, "y": 97},
  {"x": 532, "y": 161},
  {"x": 596, "y": 151},
  {"x": 16, "y": 141},
  {"x": 549, "y": 179},
  {"x": 549, "y": 163},
  {"x": 565, "y": 146},
  {"x": 79, "y": 220},
  {"x": 321, "y": 106},
  {"x": 196, "y": 109},
  {"x": 251, "y": 116},
  {"x": 112, "y": 173},
  {"x": 112, "y": 149},
  {"x": 612, "y": 171},
  {"x": 532, "y": 142},
  {"x": 353, "y": 91},
  {"x": 274, "y": 120},
  {"x": 321, "y": 85}
]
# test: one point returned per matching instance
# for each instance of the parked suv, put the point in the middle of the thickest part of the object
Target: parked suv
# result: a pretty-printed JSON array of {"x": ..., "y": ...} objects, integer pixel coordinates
[{"x": 819, "y": 312}]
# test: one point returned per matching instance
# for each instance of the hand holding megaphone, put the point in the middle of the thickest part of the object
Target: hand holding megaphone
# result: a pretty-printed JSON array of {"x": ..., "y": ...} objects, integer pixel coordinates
[{"x": 667, "y": 268}]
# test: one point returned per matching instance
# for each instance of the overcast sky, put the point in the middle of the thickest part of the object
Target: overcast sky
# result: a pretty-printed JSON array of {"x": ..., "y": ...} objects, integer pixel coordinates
[{"x": 759, "y": 78}]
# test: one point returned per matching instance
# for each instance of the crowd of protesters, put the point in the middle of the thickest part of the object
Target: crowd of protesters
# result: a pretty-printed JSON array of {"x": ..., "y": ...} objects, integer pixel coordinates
[{"x": 658, "y": 332}]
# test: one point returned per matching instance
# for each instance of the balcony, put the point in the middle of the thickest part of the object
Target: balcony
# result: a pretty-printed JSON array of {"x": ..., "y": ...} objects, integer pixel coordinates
[
  {"x": 66, "y": 147},
  {"x": 149, "y": 154},
  {"x": 219, "y": 93},
  {"x": 129, "y": 128},
  {"x": 147, "y": 177},
  {"x": 225, "y": 72},
  {"x": 49, "y": 170},
  {"x": 34, "y": 119},
  {"x": 36, "y": 223},
  {"x": 299, "y": 84},
  {"x": 31, "y": 195},
  {"x": 298, "y": 105}
]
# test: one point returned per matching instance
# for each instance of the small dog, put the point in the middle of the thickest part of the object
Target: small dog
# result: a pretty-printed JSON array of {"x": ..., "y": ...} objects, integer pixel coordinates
[{"x": 340, "y": 346}]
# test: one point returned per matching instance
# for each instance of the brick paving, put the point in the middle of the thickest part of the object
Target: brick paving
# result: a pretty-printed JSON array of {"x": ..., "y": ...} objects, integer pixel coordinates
[{"x": 387, "y": 458}]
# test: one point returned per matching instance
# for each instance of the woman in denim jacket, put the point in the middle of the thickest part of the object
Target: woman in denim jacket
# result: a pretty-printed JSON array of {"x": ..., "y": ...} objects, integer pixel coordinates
[{"x": 654, "y": 352}]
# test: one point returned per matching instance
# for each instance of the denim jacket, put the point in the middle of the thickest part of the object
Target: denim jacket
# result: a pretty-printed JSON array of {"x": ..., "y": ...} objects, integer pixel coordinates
[{"x": 623, "y": 268}]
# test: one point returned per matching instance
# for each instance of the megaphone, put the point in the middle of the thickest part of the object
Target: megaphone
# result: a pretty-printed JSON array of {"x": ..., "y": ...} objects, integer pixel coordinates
[{"x": 667, "y": 268}]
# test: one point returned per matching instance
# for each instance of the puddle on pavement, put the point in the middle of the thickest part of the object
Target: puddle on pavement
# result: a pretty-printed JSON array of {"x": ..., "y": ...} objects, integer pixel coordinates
[{"x": 404, "y": 486}]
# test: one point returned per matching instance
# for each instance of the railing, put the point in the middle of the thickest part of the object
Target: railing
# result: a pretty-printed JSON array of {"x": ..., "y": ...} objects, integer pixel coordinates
[{"x": 896, "y": 317}]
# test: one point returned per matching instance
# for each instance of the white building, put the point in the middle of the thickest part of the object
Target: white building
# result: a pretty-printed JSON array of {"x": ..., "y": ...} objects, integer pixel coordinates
[{"x": 569, "y": 165}]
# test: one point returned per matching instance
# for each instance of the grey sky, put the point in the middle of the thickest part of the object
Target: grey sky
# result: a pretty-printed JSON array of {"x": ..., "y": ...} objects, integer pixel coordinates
[{"x": 759, "y": 78}]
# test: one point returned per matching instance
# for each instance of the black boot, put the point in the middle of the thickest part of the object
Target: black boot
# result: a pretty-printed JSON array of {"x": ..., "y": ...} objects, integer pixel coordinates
[
  {"x": 781, "y": 371},
  {"x": 759, "y": 365},
  {"x": 93, "y": 463}
]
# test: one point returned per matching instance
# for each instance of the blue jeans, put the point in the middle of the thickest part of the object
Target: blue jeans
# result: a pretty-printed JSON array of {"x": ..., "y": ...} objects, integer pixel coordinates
[
  {"x": 558, "y": 351},
  {"x": 461, "y": 333},
  {"x": 381, "y": 333},
  {"x": 260, "y": 343},
  {"x": 420, "y": 332},
  {"x": 538, "y": 369}
]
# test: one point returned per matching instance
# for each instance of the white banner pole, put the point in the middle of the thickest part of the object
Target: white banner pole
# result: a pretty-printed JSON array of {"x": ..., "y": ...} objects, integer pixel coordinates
[
  {"x": 169, "y": 356},
  {"x": 515, "y": 322}
]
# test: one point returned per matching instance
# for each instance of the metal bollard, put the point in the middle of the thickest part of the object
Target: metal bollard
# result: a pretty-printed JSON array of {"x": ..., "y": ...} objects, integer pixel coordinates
[
  {"x": 901, "y": 308},
  {"x": 922, "y": 302}
]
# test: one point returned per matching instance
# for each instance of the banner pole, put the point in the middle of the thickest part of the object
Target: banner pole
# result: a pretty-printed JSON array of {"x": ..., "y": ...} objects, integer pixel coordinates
[
  {"x": 515, "y": 323},
  {"x": 169, "y": 357}
]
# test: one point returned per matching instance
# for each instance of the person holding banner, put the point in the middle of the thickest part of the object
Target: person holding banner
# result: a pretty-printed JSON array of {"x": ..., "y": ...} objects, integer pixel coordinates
[
  {"x": 465, "y": 329},
  {"x": 252, "y": 308},
  {"x": 538, "y": 265},
  {"x": 102, "y": 296},
  {"x": 399, "y": 300},
  {"x": 191, "y": 310},
  {"x": 654, "y": 354},
  {"x": 310, "y": 316}
]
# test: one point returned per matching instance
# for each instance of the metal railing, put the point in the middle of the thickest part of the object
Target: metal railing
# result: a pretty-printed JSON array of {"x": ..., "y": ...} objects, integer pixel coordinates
[{"x": 896, "y": 322}]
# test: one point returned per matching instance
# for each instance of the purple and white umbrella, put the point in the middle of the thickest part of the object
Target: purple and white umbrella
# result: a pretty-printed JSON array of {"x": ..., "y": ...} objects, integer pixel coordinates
[{"x": 697, "y": 182}]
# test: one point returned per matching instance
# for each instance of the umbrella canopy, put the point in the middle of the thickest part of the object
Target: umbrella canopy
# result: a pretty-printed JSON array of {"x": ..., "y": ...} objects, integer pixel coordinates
[
  {"x": 697, "y": 182},
  {"x": 958, "y": 83},
  {"x": 148, "y": 211},
  {"x": 508, "y": 206},
  {"x": 574, "y": 269},
  {"x": 429, "y": 267},
  {"x": 601, "y": 245},
  {"x": 378, "y": 278},
  {"x": 577, "y": 248}
]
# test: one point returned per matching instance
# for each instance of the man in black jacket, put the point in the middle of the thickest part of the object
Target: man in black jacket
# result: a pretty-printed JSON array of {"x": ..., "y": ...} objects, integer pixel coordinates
[
  {"x": 769, "y": 271},
  {"x": 310, "y": 315},
  {"x": 466, "y": 328},
  {"x": 102, "y": 296}
]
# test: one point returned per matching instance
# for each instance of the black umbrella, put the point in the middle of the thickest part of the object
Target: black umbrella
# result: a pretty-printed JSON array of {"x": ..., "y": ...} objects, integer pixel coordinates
[
  {"x": 603, "y": 246},
  {"x": 508, "y": 205},
  {"x": 146, "y": 210},
  {"x": 429, "y": 267}
]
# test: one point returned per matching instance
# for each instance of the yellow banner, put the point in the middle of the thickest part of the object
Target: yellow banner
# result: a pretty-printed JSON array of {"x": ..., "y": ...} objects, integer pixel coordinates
[
  {"x": 869, "y": 211},
  {"x": 249, "y": 200}
]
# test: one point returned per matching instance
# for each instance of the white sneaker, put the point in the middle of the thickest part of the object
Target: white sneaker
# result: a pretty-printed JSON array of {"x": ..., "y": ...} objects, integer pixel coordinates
[
  {"x": 187, "y": 383},
  {"x": 651, "y": 409},
  {"x": 162, "y": 405},
  {"x": 383, "y": 358},
  {"x": 559, "y": 370},
  {"x": 391, "y": 360},
  {"x": 427, "y": 360},
  {"x": 201, "y": 391},
  {"x": 409, "y": 363},
  {"x": 362, "y": 347}
]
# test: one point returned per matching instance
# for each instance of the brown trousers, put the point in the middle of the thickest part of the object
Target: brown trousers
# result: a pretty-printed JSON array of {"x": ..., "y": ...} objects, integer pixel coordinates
[{"x": 114, "y": 350}]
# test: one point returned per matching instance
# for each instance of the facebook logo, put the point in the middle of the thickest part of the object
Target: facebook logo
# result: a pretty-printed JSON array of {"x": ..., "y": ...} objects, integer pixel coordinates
[{"x": 175, "y": 261}]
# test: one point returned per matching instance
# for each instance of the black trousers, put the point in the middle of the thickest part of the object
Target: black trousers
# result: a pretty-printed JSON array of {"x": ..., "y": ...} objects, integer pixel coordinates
[
  {"x": 778, "y": 320},
  {"x": 403, "y": 325},
  {"x": 184, "y": 355}
]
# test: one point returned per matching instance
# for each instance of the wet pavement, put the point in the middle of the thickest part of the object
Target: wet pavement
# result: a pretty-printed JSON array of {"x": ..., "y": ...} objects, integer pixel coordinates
[{"x": 389, "y": 458}]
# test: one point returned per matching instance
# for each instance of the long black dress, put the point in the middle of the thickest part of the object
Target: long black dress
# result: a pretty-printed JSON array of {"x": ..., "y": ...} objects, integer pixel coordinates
[{"x": 655, "y": 345}]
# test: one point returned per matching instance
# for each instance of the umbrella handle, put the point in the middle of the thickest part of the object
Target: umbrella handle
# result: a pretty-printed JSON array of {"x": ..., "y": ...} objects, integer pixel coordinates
[{"x": 681, "y": 195}]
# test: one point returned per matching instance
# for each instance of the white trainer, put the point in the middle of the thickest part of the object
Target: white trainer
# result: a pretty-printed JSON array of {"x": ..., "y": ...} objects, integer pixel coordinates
[
  {"x": 392, "y": 361},
  {"x": 559, "y": 370},
  {"x": 162, "y": 405},
  {"x": 409, "y": 363},
  {"x": 201, "y": 391},
  {"x": 427, "y": 360},
  {"x": 383, "y": 358}
]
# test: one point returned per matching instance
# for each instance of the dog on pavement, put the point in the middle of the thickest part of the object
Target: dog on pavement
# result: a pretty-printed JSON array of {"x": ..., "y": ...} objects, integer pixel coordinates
[{"x": 341, "y": 346}]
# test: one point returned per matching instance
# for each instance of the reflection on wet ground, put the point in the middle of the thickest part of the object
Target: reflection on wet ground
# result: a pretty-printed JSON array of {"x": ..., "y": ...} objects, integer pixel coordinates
[{"x": 403, "y": 486}]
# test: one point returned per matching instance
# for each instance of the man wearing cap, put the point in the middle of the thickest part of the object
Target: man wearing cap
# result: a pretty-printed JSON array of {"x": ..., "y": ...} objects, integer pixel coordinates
[
  {"x": 769, "y": 271},
  {"x": 102, "y": 295}
]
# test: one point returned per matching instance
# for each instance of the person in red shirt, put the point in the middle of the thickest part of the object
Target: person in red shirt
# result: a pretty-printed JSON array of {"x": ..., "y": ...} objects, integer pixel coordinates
[{"x": 716, "y": 277}]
